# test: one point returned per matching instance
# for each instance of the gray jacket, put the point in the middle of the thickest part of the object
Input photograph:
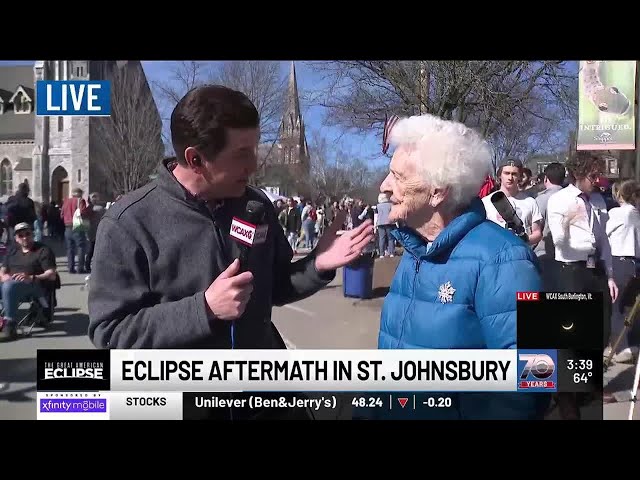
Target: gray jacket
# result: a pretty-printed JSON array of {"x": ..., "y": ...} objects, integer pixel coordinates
[{"x": 159, "y": 248}]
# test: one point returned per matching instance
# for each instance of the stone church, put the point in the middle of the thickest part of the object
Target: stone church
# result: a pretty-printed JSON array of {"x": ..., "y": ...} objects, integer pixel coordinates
[
  {"x": 53, "y": 154},
  {"x": 287, "y": 162}
]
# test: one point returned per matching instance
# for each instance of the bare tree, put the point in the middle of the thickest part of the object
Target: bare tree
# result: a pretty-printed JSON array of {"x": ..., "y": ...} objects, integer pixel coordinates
[
  {"x": 261, "y": 81},
  {"x": 129, "y": 142},
  {"x": 336, "y": 172},
  {"x": 498, "y": 98},
  {"x": 182, "y": 77}
]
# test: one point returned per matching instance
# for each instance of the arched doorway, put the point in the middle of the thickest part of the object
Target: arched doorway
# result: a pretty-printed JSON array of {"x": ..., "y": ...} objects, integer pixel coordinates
[{"x": 59, "y": 185}]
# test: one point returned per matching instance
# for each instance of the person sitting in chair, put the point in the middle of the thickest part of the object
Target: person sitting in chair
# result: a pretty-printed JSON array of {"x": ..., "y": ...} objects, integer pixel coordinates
[{"x": 28, "y": 272}]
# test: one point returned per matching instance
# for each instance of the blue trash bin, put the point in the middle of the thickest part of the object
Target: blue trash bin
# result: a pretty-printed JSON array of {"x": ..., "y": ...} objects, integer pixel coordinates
[{"x": 357, "y": 277}]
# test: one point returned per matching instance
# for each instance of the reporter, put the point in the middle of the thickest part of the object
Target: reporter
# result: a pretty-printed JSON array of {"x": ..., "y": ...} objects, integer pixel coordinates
[{"x": 164, "y": 274}]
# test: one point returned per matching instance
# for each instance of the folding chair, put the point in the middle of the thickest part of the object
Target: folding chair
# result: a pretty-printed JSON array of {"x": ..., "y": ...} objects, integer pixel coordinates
[{"x": 36, "y": 314}]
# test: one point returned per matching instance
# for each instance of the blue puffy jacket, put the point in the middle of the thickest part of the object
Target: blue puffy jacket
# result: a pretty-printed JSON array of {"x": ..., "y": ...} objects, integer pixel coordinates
[{"x": 460, "y": 293}]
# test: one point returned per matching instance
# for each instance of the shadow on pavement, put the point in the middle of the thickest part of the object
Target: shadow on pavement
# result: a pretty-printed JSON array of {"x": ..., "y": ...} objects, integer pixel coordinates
[
  {"x": 73, "y": 325},
  {"x": 622, "y": 382},
  {"x": 17, "y": 370}
]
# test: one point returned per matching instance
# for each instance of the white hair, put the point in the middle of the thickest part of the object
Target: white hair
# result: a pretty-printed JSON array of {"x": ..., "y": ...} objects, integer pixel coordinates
[{"x": 446, "y": 154}]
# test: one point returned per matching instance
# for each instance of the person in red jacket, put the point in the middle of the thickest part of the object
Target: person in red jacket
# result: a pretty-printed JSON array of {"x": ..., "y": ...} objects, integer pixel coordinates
[{"x": 75, "y": 236}]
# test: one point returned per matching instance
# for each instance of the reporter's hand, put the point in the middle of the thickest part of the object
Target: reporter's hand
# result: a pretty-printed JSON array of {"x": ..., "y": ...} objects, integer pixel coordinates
[{"x": 228, "y": 295}]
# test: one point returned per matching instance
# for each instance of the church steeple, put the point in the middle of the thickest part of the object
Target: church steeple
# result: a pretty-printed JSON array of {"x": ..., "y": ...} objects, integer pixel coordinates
[
  {"x": 292, "y": 132},
  {"x": 293, "y": 100}
]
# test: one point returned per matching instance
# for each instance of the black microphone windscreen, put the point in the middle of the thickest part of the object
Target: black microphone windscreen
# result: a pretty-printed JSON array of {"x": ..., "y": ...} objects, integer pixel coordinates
[
  {"x": 504, "y": 207},
  {"x": 255, "y": 212}
]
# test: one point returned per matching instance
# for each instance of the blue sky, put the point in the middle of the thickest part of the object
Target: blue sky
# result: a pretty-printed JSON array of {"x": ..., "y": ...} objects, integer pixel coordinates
[{"x": 366, "y": 147}]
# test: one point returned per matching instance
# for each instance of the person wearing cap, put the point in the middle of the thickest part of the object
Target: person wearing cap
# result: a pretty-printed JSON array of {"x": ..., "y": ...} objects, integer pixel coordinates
[
  {"x": 509, "y": 176},
  {"x": 28, "y": 270}
]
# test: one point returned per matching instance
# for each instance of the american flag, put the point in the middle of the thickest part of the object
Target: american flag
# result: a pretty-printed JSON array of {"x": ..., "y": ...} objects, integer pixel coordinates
[{"x": 388, "y": 126}]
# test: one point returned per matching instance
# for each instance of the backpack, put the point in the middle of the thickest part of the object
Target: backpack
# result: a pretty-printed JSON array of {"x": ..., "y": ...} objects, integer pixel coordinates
[
  {"x": 79, "y": 224},
  {"x": 487, "y": 187}
]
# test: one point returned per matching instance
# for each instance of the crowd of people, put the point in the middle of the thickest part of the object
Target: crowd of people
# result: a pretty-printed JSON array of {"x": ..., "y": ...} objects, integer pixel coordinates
[
  {"x": 304, "y": 221},
  {"x": 583, "y": 242},
  {"x": 29, "y": 266}
]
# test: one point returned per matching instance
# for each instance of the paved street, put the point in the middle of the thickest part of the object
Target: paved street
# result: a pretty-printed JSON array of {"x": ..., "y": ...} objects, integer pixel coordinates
[
  {"x": 618, "y": 380},
  {"x": 325, "y": 320}
]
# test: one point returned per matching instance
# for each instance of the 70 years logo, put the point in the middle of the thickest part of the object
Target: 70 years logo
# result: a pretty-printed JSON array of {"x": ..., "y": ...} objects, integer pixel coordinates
[{"x": 537, "y": 370}]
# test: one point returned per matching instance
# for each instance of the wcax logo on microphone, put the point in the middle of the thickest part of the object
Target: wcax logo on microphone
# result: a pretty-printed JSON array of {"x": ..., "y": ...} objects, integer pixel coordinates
[
  {"x": 73, "y": 370},
  {"x": 81, "y": 98},
  {"x": 538, "y": 372},
  {"x": 247, "y": 233}
]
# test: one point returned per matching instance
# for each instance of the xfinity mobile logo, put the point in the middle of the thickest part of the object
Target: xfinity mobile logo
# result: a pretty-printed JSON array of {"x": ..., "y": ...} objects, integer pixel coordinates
[{"x": 74, "y": 370}]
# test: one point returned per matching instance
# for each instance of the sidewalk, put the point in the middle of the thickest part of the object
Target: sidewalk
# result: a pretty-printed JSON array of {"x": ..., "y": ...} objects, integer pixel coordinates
[{"x": 618, "y": 381}]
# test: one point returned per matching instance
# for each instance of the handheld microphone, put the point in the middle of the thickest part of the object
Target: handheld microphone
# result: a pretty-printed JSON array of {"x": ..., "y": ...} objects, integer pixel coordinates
[
  {"x": 249, "y": 230},
  {"x": 506, "y": 211}
]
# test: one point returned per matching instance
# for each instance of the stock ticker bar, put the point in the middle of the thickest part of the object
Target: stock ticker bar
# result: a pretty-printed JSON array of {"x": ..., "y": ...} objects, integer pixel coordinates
[{"x": 336, "y": 384}]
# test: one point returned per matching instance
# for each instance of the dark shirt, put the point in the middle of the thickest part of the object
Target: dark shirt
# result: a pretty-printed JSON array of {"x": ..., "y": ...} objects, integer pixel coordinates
[
  {"x": 35, "y": 262},
  {"x": 21, "y": 208}
]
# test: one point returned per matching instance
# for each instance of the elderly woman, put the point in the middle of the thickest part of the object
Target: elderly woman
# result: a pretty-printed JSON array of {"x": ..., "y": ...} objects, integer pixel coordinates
[{"x": 456, "y": 284}]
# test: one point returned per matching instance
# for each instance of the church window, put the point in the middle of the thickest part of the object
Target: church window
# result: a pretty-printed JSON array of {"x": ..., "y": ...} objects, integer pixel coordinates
[
  {"x": 60, "y": 124},
  {"x": 79, "y": 175},
  {"x": 80, "y": 71},
  {"x": 6, "y": 177}
]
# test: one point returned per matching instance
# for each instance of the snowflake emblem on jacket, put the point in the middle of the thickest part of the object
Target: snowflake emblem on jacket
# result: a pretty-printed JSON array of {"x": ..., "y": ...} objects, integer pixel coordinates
[{"x": 445, "y": 293}]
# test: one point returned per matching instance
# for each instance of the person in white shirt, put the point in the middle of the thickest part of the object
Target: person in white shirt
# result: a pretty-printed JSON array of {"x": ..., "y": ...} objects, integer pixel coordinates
[
  {"x": 623, "y": 230},
  {"x": 554, "y": 176},
  {"x": 577, "y": 217},
  {"x": 509, "y": 177}
]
